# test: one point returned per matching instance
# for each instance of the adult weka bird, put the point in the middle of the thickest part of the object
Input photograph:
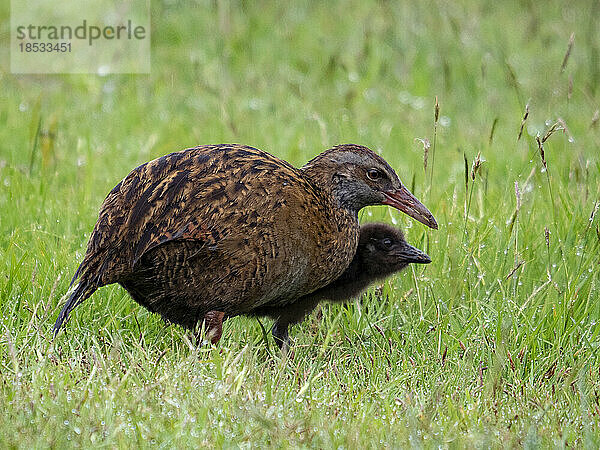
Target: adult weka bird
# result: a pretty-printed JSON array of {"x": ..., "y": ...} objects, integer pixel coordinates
[
  {"x": 381, "y": 252},
  {"x": 229, "y": 228}
]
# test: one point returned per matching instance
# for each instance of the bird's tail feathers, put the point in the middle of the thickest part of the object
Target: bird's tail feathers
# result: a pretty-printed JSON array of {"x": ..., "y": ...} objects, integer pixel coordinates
[{"x": 77, "y": 294}]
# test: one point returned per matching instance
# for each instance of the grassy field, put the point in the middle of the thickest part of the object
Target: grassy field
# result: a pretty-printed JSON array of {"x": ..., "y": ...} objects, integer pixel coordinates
[{"x": 493, "y": 344}]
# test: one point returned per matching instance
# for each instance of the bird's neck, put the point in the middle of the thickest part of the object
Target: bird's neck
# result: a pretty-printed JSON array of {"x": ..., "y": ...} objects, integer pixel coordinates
[
  {"x": 323, "y": 179},
  {"x": 350, "y": 284}
]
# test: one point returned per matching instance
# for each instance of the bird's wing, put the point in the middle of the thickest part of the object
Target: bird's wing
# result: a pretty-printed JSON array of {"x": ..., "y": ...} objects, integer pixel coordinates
[
  {"x": 192, "y": 230},
  {"x": 213, "y": 194}
]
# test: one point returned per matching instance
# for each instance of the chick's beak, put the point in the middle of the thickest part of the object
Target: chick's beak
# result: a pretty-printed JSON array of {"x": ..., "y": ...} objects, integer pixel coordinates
[
  {"x": 403, "y": 200},
  {"x": 410, "y": 254}
]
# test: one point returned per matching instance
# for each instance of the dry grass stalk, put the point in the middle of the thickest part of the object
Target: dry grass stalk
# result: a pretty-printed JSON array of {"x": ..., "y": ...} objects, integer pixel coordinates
[
  {"x": 466, "y": 172},
  {"x": 468, "y": 196},
  {"x": 518, "y": 195},
  {"x": 481, "y": 369},
  {"x": 595, "y": 118},
  {"x": 550, "y": 372},
  {"x": 570, "y": 87},
  {"x": 436, "y": 116},
  {"x": 476, "y": 166},
  {"x": 548, "y": 263},
  {"x": 512, "y": 364},
  {"x": 517, "y": 267},
  {"x": 569, "y": 48},
  {"x": 492, "y": 131},
  {"x": 523, "y": 120},
  {"x": 426, "y": 146}
]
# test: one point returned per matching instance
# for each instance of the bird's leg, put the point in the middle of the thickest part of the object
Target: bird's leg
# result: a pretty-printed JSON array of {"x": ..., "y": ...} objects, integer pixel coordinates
[
  {"x": 213, "y": 323},
  {"x": 281, "y": 335}
]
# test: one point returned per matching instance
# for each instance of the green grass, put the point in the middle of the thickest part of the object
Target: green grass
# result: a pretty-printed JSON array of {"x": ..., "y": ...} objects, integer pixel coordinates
[{"x": 493, "y": 344}]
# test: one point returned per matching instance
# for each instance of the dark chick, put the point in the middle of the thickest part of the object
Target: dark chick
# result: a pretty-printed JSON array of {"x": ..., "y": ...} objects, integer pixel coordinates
[
  {"x": 230, "y": 228},
  {"x": 382, "y": 251}
]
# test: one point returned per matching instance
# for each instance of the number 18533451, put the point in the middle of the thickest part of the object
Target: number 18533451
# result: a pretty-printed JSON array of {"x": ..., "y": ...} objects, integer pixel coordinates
[{"x": 45, "y": 47}]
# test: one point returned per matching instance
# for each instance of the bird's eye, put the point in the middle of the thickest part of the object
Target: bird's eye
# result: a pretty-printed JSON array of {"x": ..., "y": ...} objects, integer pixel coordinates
[
  {"x": 373, "y": 174},
  {"x": 387, "y": 242}
]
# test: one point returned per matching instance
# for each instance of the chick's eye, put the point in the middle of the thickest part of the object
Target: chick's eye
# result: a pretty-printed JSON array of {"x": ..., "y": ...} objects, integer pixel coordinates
[
  {"x": 387, "y": 243},
  {"x": 373, "y": 174}
]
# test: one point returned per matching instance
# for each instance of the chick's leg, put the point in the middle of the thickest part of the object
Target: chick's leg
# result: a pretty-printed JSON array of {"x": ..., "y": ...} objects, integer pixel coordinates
[
  {"x": 281, "y": 335},
  {"x": 292, "y": 314}
]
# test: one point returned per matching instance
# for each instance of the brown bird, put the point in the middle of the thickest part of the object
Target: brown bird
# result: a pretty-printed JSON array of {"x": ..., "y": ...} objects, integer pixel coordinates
[
  {"x": 230, "y": 228},
  {"x": 381, "y": 252}
]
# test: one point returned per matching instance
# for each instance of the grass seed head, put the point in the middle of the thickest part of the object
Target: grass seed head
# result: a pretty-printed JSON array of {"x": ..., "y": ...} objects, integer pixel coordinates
[
  {"x": 476, "y": 165},
  {"x": 541, "y": 149},
  {"x": 523, "y": 120},
  {"x": 437, "y": 110},
  {"x": 547, "y": 237},
  {"x": 559, "y": 125},
  {"x": 568, "y": 53}
]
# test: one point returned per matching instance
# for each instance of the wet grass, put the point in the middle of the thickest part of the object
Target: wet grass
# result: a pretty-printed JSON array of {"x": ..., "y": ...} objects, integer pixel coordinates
[{"x": 493, "y": 344}]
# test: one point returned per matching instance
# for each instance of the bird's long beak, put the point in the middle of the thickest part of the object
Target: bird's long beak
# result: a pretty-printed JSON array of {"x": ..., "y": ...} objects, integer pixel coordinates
[
  {"x": 403, "y": 200},
  {"x": 409, "y": 254}
]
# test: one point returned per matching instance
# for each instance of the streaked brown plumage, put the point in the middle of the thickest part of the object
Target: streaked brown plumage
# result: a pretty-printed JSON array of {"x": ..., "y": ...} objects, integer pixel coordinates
[
  {"x": 229, "y": 228},
  {"x": 381, "y": 252}
]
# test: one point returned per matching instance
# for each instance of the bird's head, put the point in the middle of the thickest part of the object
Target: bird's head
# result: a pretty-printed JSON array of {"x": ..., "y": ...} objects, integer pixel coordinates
[
  {"x": 358, "y": 177},
  {"x": 383, "y": 250}
]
